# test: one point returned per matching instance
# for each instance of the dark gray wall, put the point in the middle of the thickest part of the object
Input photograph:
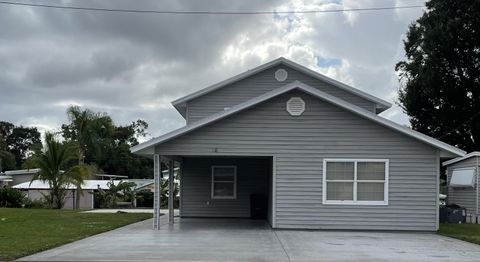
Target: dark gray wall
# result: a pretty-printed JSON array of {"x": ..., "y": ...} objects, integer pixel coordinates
[
  {"x": 301, "y": 143},
  {"x": 258, "y": 84},
  {"x": 252, "y": 177}
]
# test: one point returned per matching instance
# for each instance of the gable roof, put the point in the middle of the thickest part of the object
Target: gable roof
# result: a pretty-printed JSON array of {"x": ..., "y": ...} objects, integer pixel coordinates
[
  {"x": 465, "y": 157},
  {"x": 310, "y": 90},
  {"x": 180, "y": 103}
]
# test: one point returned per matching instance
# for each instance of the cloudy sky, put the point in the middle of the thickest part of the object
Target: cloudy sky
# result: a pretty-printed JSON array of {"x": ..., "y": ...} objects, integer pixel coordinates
[{"x": 132, "y": 65}]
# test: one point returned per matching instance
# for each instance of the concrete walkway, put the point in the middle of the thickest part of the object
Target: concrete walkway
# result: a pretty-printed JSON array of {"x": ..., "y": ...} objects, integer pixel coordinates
[
  {"x": 250, "y": 240},
  {"x": 126, "y": 210},
  {"x": 129, "y": 210}
]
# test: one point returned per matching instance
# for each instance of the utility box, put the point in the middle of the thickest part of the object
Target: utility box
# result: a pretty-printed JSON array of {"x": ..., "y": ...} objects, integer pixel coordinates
[{"x": 453, "y": 214}]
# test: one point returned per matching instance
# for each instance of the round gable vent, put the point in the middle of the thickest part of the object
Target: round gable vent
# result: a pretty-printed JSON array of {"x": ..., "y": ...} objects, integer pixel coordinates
[
  {"x": 295, "y": 106},
  {"x": 281, "y": 75}
]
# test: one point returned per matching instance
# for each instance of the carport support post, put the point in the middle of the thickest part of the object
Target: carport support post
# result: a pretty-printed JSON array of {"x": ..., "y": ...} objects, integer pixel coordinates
[
  {"x": 157, "y": 170},
  {"x": 171, "y": 193}
]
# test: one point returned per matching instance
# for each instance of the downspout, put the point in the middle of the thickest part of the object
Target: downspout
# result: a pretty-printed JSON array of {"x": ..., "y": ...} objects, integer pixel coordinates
[
  {"x": 437, "y": 202},
  {"x": 477, "y": 214}
]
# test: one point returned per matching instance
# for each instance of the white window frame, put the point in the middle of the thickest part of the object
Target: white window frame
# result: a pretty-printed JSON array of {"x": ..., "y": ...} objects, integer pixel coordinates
[
  {"x": 234, "y": 183},
  {"x": 355, "y": 182}
]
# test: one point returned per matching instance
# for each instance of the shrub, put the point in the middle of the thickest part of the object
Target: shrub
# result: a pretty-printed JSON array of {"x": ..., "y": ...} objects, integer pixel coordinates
[
  {"x": 37, "y": 203},
  {"x": 11, "y": 197}
]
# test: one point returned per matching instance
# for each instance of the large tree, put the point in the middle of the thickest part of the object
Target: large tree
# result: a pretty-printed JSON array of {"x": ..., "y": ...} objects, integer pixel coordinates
[
  {"x": 18, "y": 141},
  {"x": 441, "y": 73},
  {"x": 106, "y": 145}
]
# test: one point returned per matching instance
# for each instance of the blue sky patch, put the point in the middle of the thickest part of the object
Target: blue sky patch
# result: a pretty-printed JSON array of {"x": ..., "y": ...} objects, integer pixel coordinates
[{"x": 328, "y": 62}]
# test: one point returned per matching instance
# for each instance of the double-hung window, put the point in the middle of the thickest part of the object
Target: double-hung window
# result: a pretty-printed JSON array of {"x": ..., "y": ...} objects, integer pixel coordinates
[
  {"x": 355, "y": 181},
  {"x": 224, "y": 182}
]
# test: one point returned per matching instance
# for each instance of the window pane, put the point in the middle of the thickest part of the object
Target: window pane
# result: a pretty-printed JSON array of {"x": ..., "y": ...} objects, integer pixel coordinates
[
  {"x": 367, "y": 191},
  {"x": 223, "y": 189},
  {"x": 371, "y": 171},
  {"x": 339, "y": 190},
  {"x": 340, "y": 171},
  {"x": 224, "y": 170},
  {"x": 223, "y": 178}
]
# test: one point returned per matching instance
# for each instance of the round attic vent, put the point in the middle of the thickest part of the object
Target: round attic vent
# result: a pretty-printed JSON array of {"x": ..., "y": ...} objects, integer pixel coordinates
[
  {"x": 295, "y": 106},
  {"x": 281, "y": 75}
]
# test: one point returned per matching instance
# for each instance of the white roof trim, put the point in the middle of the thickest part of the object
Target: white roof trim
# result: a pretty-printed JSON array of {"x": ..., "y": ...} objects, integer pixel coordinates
[
  {"x": 380, "y": 103},
  {"x": 458, "y": 159},
  {"x": 23, "y": 171},
  {"x": 87, "y": 184},
  {"x": 313, "y": 91}
]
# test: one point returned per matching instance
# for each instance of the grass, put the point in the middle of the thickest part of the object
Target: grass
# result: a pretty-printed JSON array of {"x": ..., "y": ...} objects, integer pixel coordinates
[
  {"x": 27, "y": 231},
  {"x": 466, "y": 232}
]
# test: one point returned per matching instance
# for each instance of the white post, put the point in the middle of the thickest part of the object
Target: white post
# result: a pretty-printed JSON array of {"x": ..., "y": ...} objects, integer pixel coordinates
[
  {"x": 171, "y": 194},
  {"x": 157, "y": 170}
]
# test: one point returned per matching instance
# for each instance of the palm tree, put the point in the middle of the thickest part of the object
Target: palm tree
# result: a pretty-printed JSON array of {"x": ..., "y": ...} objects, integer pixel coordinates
[
  {"x": 51, "y": 162},
  {"x": 81, "y": 120},
  {"x": 121, "y": 190},
  {"x": 84, "y": 124}
]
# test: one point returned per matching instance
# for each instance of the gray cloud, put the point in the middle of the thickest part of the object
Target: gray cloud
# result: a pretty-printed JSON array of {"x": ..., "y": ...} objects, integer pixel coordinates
[{"x": 132, "y": 65}]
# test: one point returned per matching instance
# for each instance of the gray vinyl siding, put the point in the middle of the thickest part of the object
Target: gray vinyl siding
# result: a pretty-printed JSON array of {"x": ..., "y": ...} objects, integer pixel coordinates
[
  {"x": 465, "y": 197},
  {"x": 258, "y": 84},
  {"x": 301, "y": 143},
  {"x": 252, "y": 178}
]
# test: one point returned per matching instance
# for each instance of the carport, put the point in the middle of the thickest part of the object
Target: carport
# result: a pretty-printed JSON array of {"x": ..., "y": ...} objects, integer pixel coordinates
[{"x": 219, "y": 186}]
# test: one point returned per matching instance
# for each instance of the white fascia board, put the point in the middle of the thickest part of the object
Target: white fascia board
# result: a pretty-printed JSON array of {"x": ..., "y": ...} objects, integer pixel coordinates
[
  {"x": 315, "y": 92},
  {"x": 458, "y": 159},
  {"x": 180, "y": 103},
  {"x": 380, "y": 102},
  {"x": 23, "y": 171}
]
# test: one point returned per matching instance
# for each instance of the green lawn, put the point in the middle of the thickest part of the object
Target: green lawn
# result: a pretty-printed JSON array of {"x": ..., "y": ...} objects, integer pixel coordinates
[
  {"x": 27, "y": 231},
  {"x": 466, "y": 232}
]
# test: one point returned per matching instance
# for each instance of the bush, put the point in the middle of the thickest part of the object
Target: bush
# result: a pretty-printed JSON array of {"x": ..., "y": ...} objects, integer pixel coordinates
[
  {"x": 37, "y": 203},
  {"x": 144, "y": 198},
  {"x": 11, "y": 197}
]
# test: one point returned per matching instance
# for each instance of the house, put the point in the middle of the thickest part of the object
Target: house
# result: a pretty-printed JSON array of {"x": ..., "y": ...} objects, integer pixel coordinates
[
  {"x": 36, "y": 190},
  {"x": 311, "y": 151},
  {"x": 20, "y": 176},
  {"x": 5, "y": 180},
  {"x": 462, "y": 182}
]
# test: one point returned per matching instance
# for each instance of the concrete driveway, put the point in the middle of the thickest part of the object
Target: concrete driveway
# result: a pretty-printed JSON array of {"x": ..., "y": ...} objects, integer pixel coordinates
[{"x": 249, "y": 240}]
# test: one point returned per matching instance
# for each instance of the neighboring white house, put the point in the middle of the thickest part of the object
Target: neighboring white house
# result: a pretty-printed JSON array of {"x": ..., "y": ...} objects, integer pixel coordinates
[
  {"x": 307, "y": 151},
  {"x": 463, "y": 184},
  {"x": 37, "y": 189},
  {"x": 21, "y": 175},
  {"x": 5, "y": 180}
]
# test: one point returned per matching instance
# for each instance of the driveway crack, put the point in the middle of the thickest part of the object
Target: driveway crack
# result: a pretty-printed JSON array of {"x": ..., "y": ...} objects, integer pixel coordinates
[{"x": 281, "y": 244}]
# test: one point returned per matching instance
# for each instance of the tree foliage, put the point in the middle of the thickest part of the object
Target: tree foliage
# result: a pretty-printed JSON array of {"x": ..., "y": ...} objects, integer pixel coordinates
[
  {"x": 123, "y": 191},
  {"x": 105, "y": 144},
  {"x": 19, "y": 142},
  {"x": 11, "y": 197},
  {"x": 441, "y": 75}
]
